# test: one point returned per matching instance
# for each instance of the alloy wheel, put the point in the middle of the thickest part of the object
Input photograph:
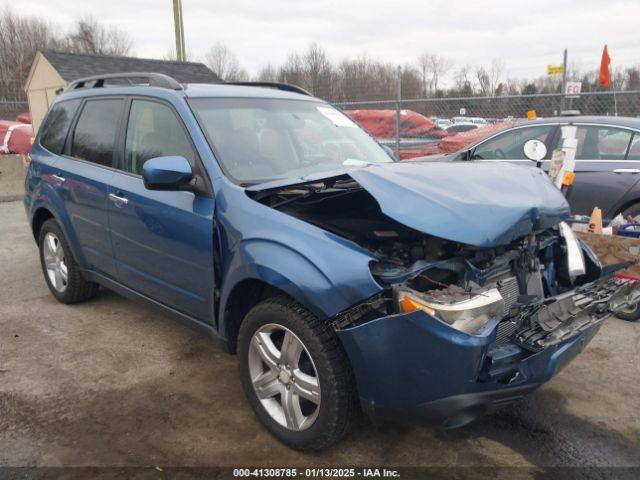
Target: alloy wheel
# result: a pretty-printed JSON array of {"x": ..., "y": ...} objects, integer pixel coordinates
[
  {"x": 55, "y": 262},
  {"x": 284, "y": 377}
]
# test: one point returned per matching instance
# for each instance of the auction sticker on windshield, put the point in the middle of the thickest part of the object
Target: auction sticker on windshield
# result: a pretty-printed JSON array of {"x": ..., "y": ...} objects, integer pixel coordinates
[{"x": 336, "y": 117}]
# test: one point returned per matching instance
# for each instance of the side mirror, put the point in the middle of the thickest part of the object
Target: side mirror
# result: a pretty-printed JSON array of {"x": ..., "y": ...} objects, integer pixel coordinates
[
  {"x": 166, "y": 173},
  {"x": 534, "y": 150}
]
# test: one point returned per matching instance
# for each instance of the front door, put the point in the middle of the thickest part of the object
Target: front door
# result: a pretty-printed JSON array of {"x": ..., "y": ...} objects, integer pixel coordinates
[
  {"x": 509, "y": 146},
  {"x": 162, "y": 240}
]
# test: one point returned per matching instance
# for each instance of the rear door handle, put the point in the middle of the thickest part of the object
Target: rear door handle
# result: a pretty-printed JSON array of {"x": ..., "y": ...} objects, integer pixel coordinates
[
  {"x": 626, "y": 170},
  {"x": 58, "y": 178},
  {"x": 117, "y": 199}
]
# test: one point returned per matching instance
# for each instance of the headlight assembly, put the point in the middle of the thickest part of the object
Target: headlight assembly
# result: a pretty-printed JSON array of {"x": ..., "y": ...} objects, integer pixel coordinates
[
  {"x": 468, "y": 315},
  {"x": 575, "y": 259}
]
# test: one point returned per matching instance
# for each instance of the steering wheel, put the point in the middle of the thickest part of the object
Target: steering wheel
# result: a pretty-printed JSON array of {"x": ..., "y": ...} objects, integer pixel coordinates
[{"x": 499, "y": 154}]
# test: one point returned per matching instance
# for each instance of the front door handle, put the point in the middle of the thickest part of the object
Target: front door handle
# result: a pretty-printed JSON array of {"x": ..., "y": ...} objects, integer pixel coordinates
[
  {"x": 58, "y": 178},
  {"x": 626, "y": 170},
  {"x": 118, "y": 200}
]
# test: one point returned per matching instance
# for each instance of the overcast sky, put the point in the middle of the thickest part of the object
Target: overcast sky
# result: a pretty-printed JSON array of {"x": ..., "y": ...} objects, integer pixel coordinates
[{"x": 525, "y": 35}]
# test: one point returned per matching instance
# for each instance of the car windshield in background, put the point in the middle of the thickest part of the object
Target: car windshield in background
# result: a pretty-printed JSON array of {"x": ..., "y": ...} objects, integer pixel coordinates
[{"x": 258, "y": 140}]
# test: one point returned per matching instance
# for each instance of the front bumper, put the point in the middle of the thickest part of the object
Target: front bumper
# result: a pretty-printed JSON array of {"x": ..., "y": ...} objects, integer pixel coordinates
[{"x": 416, "y": 367}]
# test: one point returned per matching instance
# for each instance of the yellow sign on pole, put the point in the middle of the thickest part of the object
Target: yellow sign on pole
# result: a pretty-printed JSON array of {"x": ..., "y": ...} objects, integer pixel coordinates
[{"x": 554, "y": 69}]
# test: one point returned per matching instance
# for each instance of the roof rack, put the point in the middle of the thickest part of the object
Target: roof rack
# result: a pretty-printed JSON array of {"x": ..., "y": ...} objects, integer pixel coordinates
[
  {"x": 277, "y": 85},
  {"x": 154, "y": 79}
]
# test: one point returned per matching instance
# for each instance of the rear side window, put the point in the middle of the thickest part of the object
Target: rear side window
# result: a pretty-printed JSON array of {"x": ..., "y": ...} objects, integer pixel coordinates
[
  {"x": 634, "y": 148},
  {"x": 602, "y": 143},
  {"x": 95, "y": 134},
  {"x": 54, "y": 130},
  {"x": 154, "y": 131}
]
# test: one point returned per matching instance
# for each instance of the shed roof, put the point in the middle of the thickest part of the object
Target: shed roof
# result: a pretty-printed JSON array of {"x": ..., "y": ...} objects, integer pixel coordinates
[{"x": 72, "y": 66}]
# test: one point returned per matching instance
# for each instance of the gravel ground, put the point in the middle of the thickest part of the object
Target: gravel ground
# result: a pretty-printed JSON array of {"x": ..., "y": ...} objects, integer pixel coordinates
[{"x": 113, "y": 383}]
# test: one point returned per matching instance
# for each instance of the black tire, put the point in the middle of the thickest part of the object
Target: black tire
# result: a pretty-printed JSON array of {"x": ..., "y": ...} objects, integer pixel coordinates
[
  {"x": 630, "y": 315},
  {"x": 338, "y": 406},
  {"x": 77, "y": 288}
]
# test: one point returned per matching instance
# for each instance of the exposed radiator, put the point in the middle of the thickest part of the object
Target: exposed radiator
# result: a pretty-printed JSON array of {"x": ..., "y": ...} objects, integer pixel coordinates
[{"x": 508, "y": 288}]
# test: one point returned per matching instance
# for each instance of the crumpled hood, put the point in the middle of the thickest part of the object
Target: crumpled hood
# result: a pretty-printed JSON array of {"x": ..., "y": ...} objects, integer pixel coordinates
[{"x": 477, "y": 203}]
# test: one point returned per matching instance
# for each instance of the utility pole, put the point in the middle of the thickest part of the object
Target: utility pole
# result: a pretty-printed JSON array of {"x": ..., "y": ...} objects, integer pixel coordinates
[
  {"x": 181, "y": 55},
  {"x": 564, "y": 83}
]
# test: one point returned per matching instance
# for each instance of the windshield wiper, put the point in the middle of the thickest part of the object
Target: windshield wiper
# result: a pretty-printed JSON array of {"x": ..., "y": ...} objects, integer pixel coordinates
[{"x": 339, "y": 187}]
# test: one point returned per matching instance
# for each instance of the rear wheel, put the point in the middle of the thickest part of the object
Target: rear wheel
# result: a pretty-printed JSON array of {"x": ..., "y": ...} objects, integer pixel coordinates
[
  {"x": 295, "y": 374},
  {"x": 61, "y": 272}
]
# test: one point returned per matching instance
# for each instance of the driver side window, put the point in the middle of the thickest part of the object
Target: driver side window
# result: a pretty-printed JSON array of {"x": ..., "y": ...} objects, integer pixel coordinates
[
  {"x": 509, "y": 145},
  {"x": 154, "y": 131}
]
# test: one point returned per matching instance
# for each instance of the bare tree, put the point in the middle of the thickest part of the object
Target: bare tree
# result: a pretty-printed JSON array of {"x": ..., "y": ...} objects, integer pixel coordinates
[
  {"x": 495, "y": 75},
  {"x": 225, "y": 64},
  {"x": 88, "y": 36},
  {"x": 489, "y": 81},
  {"x": 292, "y": 70},
  {"x": 20, "y": 38},
  {"x": 463, "y": 81},
  {"x": 318, "y": 71},
  {"x": 439, "y": 68},
  {"x": 411, "y": 82},
  {"x": 424, "y": 63},
  {"x": 484, "y": 81},
  {"x": 267, "y": 73},
  {"x": 432, "y": 68},
  {"x": 633, "y": 78},
  {"x": 363, "y": 78}
]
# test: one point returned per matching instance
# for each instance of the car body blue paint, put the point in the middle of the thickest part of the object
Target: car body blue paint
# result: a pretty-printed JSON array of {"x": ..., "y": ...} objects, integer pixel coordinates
[
  {"x": 162, "y": 245},
  {"x": 323, "y": 271},
  {"x": 480, "y": 205},
  {"x": 84, "y": 196},
  {"x": 40, "y": 193},
  {"x": 404, "y": 361},
  {"x": 477, "y": 204},
  {"x": 407, "y": 359}
]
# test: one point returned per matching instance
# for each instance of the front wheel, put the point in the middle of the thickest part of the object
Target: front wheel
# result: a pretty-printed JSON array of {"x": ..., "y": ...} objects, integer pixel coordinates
[{"x": 295, "y": 374}]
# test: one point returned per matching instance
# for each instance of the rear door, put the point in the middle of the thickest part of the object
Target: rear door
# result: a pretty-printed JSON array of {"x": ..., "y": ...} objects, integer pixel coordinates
[
  {"x": 52, "y": 137},
  {"x": 604, "y": 173},
  {"x": 163, "y": 240},
  {"x": 82, "y": 177}
]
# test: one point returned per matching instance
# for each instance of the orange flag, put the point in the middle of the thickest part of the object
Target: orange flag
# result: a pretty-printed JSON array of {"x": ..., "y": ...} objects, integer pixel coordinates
[{"x": 605, "y": 74}]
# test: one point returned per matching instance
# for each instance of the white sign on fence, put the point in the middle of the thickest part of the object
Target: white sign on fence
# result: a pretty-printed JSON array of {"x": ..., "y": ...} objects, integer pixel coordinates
[{"x": 573, "y": 89}]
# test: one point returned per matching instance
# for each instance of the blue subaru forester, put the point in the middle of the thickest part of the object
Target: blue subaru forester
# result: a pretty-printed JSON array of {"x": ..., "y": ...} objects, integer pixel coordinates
[{"x": 342, "y": 278}]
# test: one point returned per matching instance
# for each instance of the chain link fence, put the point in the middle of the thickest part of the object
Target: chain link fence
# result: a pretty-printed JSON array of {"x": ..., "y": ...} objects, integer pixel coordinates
[
  {"x": 400, "y": 123},
  {"x": 394, "y": 121},
  {"x": 9, "y": 109}
]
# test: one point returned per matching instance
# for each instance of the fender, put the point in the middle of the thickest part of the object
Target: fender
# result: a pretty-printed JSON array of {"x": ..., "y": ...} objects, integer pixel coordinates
[
  {"x": 289, "y": 270},
  {"x": 45, "y": 197}
]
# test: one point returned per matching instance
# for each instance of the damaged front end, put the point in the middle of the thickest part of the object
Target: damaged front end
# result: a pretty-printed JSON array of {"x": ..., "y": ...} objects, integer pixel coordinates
[
  {"x": 537, "y": 292},
  {"x": 458, "y": 328},
  {"x": 451, "y": 339}
]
